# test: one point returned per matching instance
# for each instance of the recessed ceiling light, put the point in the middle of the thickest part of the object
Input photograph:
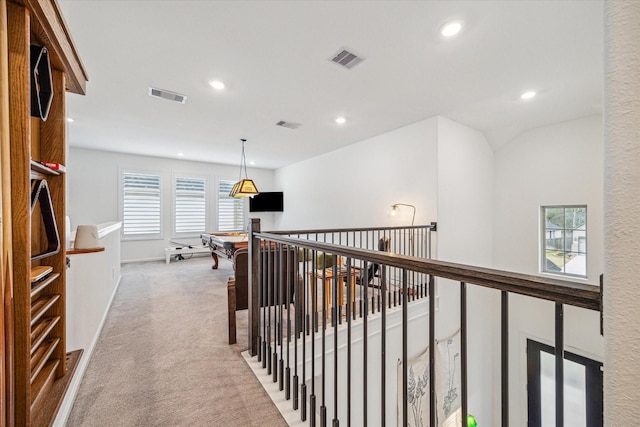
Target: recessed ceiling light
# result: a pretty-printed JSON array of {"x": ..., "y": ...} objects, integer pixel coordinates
[
  {"x": 69, "y": 119},
  {"x": 450, "y": 29},
  {"x": 528, "y": 95},
  {"x": 341, "y": 120},
  {"x": 217, "y": 84},
  {"x": 180, "y": 154},
  {"x": 252, "y": 163}
]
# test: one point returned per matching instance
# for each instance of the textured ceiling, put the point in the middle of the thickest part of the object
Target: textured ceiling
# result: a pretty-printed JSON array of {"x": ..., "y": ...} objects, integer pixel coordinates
[{"x": 274, "y": 58}]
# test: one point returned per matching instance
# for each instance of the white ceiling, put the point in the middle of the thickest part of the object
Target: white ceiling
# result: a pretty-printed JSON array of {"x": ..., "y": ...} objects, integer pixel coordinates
[{"x": 274, "y": 58}]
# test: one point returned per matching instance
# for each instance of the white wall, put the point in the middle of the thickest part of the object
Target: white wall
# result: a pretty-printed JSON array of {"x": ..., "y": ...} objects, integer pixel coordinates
[
  {"x": 558, "y": 164},
  {"x": 356, "y": 185},
  {"x": 442, "y": 167},
  {"x": 93, "y": 178},
  {"x": 465, "y": 235}
]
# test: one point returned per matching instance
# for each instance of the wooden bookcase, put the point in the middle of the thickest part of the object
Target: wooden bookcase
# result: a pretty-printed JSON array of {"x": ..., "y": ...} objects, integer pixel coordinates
[{"x": 40, "y": 370}]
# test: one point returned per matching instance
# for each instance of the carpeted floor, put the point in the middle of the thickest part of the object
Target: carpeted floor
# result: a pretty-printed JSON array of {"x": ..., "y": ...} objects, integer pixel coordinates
[{"x": 163, "y": 359}]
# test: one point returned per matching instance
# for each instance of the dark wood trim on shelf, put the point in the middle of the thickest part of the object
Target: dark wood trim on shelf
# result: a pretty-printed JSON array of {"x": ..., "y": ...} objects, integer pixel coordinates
[{"x": 84, "y": 251}]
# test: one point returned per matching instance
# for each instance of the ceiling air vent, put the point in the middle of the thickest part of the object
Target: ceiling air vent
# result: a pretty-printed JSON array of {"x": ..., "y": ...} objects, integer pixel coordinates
[
  {"x": 166, "y": 94},
  {"x": 290, "y": 125},
  {"x": 346, "y": 59}
]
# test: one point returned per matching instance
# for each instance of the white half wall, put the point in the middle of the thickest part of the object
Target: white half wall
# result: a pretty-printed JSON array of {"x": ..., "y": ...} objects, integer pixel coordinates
[
  {"x": 93, "y": 194},
  {"x": 555, "y": 165}
]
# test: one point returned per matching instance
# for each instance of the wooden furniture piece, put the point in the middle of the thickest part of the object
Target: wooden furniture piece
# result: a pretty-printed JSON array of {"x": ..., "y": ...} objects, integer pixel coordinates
[
  {"x": 343, "y": 277},
  {"x": 238, "y": 284},
  {"x": 224, "y": 244},
  {"x": 40, "y": 367}
]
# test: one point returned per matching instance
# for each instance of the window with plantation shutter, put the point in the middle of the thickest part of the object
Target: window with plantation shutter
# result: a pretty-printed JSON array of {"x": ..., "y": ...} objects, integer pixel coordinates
[
  {"x": 141, "y": 205},
  {"x": 190, "y": 205},
  {"x": 230, "y": 209}
]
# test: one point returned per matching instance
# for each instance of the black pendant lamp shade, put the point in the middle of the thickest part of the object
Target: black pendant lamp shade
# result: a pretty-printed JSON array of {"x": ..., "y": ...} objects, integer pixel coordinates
[{"x": 41, "y": 83}]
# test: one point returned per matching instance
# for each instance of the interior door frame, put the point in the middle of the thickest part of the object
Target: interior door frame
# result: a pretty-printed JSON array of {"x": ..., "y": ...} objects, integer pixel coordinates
[{"x": 593, "y": 383}]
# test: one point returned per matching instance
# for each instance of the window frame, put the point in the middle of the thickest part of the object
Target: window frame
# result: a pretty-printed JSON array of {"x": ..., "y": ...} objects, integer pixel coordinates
[
  {"x": 207, "y": 209},
  {"x": 121, "y": 174},
  {"x": 543, "y": 242},
  {"x": 218, "y": 205}
]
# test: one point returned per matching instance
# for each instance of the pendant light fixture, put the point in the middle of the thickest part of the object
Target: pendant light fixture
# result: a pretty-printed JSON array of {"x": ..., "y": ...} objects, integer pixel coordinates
[{"x": 244, "y": 187}]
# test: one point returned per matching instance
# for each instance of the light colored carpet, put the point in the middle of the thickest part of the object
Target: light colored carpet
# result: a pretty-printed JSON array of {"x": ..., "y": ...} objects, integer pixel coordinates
[{"x": 163, "y": 357}]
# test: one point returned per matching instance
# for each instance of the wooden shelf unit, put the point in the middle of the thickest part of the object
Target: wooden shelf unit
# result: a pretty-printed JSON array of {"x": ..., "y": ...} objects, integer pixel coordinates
[{"x": 42, "y": 368}]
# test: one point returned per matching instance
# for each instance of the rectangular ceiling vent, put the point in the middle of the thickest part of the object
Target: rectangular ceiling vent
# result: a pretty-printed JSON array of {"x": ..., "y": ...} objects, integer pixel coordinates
[
  {"x": 167, "y": 94},
  {"x": 346, "y": 59},
  {"x": 290, "y": 125}
]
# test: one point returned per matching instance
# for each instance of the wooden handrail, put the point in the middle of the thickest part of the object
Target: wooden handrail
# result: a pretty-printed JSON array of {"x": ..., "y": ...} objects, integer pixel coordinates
[{"x": 562, "y": 291}]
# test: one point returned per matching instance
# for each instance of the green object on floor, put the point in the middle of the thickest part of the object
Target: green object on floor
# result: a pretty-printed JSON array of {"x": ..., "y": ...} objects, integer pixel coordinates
[{"x": 471, "y": 421}]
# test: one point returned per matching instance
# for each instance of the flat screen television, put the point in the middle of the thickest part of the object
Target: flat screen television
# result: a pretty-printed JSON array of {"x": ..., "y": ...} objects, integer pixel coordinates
[{"x": 267, "y": 202}]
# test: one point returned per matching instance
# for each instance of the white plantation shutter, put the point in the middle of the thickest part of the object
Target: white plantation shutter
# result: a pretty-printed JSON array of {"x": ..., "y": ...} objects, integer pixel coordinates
[
  {"x": 230, "y": 209},
  {"x": 190, "y": 205},
  {"x": 140, "y": 205}
]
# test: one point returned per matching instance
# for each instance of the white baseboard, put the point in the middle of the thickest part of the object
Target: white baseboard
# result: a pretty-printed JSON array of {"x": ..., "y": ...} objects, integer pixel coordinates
[
  {"x": 130, "y": 261},
  {"x": 69, "y": 398}
]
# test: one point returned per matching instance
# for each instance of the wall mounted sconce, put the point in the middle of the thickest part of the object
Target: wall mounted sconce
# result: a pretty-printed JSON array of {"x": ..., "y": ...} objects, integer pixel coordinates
[{"x": 244, "y": 187}]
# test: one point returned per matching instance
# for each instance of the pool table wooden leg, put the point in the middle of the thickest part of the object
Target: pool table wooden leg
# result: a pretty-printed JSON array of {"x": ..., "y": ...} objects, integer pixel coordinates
[{"x": 215, "y": 260}]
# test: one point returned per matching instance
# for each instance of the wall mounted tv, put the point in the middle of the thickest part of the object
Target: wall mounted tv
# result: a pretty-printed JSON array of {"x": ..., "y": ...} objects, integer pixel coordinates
[{"x": 267, "y": 202}]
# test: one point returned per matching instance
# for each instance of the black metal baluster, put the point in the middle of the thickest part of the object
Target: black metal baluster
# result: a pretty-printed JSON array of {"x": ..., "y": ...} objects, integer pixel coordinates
[
  {"x": 365, "y": 346},
  {"x": 323, "y": 405},
  {"x": 405, "y": 359},
  {"x": 504, "y": 326},
  {"x": 350, "y": 282},
  {"x": 432, "y": 351},
  {"x": 305, "y": 300},
  {"x": 273, "y": 302},
  {"x": 335, "y": 346},
  {"x": 463, "y": 352},
  {"x": 268, "y": 307},
  {"x": 298, "y": 313},
  {"x": 280, "y": 280},
  {"x": 289, "y": 267},
  {"x": 314, "y": 329},
  {"x": 261, "y": 339},
  {"x": 559, "y": 353},
  {"x": 383, "y": 348}
]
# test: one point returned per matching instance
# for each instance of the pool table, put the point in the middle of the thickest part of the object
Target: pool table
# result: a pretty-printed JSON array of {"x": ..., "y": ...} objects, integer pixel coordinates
[{"x": 224, "y": 243}]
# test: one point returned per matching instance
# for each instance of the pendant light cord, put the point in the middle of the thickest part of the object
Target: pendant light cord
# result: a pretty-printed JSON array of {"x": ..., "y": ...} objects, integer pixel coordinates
[{"x": 243, "y": 162}]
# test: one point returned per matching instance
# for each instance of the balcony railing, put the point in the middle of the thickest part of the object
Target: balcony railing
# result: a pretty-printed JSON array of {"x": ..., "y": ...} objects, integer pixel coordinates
[{"x": 309, "y": 319}]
